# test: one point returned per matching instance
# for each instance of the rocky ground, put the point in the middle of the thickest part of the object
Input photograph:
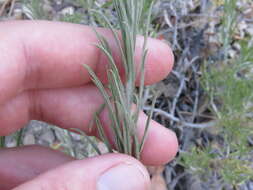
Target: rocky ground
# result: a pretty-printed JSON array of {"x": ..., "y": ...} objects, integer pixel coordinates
[{"x": 193, "y": 30}]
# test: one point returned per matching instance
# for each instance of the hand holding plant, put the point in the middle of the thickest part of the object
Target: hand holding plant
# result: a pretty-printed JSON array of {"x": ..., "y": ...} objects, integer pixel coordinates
[
  {"x": 121, "y": 95},
  {"x": 43, "y": 78}
]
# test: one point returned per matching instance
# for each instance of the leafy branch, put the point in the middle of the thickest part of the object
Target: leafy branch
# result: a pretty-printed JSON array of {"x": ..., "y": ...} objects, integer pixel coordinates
[{"x": 120, "y": 96}]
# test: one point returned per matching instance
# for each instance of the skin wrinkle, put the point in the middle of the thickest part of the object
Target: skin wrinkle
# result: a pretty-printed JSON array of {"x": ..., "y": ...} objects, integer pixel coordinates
[
  {"x": 34, "y": 106},
  {"x": 26, "y": 171},
  {"x": 95, "y": 52},
  {"x": 26, "y": 79},
  {"x": 10, "y": 71},
  {"x": 92, "y": 95},
  {"x": 33, "y": 77}
]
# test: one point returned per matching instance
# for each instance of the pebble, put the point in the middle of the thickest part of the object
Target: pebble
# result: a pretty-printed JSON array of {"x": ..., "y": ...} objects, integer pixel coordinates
[
  {"x": 77, "y": 137},
  {"x": 249, "y": 30},
  {"x": 68, "y": 11},
  {"x": 232, "y": 53},
  {"x": 48, "y": 137},
  {"x": 242, "y": 27},
  {"x": 10, "y": 141},
  {"x": 29, "y": 139},
  {"x": 18, "y": 14},
  {"x": 237, "y": 46}
]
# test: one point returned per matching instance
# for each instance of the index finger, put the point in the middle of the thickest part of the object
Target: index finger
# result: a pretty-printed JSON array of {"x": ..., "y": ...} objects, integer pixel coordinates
[{"x": 41, "y": 54}]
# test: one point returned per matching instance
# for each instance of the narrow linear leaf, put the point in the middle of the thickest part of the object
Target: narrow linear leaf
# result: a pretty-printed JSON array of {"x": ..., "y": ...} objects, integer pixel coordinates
[
  {"x": 119, "y": 95},
  {"x": 148, "y": 123},
  {"x": 102, "y": 134}
]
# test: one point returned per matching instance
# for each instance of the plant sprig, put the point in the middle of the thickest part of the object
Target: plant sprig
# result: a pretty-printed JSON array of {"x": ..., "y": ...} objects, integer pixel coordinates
[{"x": 120, "y": 96}]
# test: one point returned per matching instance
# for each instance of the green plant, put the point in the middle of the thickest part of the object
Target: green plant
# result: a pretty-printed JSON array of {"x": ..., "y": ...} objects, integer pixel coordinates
[
  {"x": 206, "y": 163},
  {"x": 229, "y": 85},
  {"x": 120, "y": 96},
  {"x": 17, "y": 136},
  {"x": 75, "y": 18},
  {"x": 2, "y": 142},
  {"x": 228, "y": 23},
  {"x": 86, "y": 4},
  {"x": 34, "y": 9}
]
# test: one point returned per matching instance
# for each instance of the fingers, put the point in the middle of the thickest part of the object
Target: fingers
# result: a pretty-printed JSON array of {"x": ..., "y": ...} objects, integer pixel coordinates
[
  {"x": 40, "y": 54},
  {"x": 99, "y": 173},
  {"x": 68, "y": 108},
  {"x": 160, "y": 141},
  {"x": 75, "y": 108},
  {"x": 161, "y": 144},
  {"x": 19, "y": 165}
]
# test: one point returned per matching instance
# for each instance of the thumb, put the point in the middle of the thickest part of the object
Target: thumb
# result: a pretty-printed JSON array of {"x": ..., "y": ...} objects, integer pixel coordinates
[{"x": 107, "y": 172}]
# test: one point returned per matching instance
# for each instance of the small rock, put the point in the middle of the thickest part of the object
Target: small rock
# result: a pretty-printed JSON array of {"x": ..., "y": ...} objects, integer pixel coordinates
[
  {"x": 10, "y": 141},
  {"x": 232, "y": 53},
  {"x": 237, "y": 46},
  {"x": 242, "y": 26},
  {"x": 11, "y": 144},
  {"x": 195, "y": 185},
  {"x": 48, "y": 9},
  {"x": 240, "y": 4},
  {"x": 47, "y": 138},
  {"x": 36, "y": 126},
  {"x": 214, "y": 39},
  {"x": 18, "y": 14},
  {"x": 68, "y": 11},
  {"x": 29, "y": 139},
  {"x": 248, "y": 13},
  {"x": 76, "y": 137},
  {"x": 58, "y": 2},
  {"x": 102, "y": 147},
  {"x": 249, "y": 30}
]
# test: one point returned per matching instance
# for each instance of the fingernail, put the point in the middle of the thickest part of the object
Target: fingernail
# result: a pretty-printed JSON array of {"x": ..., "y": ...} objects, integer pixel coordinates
[{"x": 124, "y": 177}]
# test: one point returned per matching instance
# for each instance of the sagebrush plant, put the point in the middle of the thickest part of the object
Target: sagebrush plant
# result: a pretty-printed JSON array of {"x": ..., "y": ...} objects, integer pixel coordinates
[
  {"x": 119, "y": 95},
  {"x": 229, "y": 85}
]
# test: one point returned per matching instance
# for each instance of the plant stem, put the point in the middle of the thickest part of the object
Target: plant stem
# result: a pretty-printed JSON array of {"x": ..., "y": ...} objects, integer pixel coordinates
[
  {"x": 2, "y": 141},
  {"x": 19, "y": 137},
  {"x": 123, "y": 94}
]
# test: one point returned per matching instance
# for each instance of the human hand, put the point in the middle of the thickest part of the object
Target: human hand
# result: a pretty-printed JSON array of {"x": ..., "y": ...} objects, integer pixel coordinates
[{"x": 42, "y": 78}]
